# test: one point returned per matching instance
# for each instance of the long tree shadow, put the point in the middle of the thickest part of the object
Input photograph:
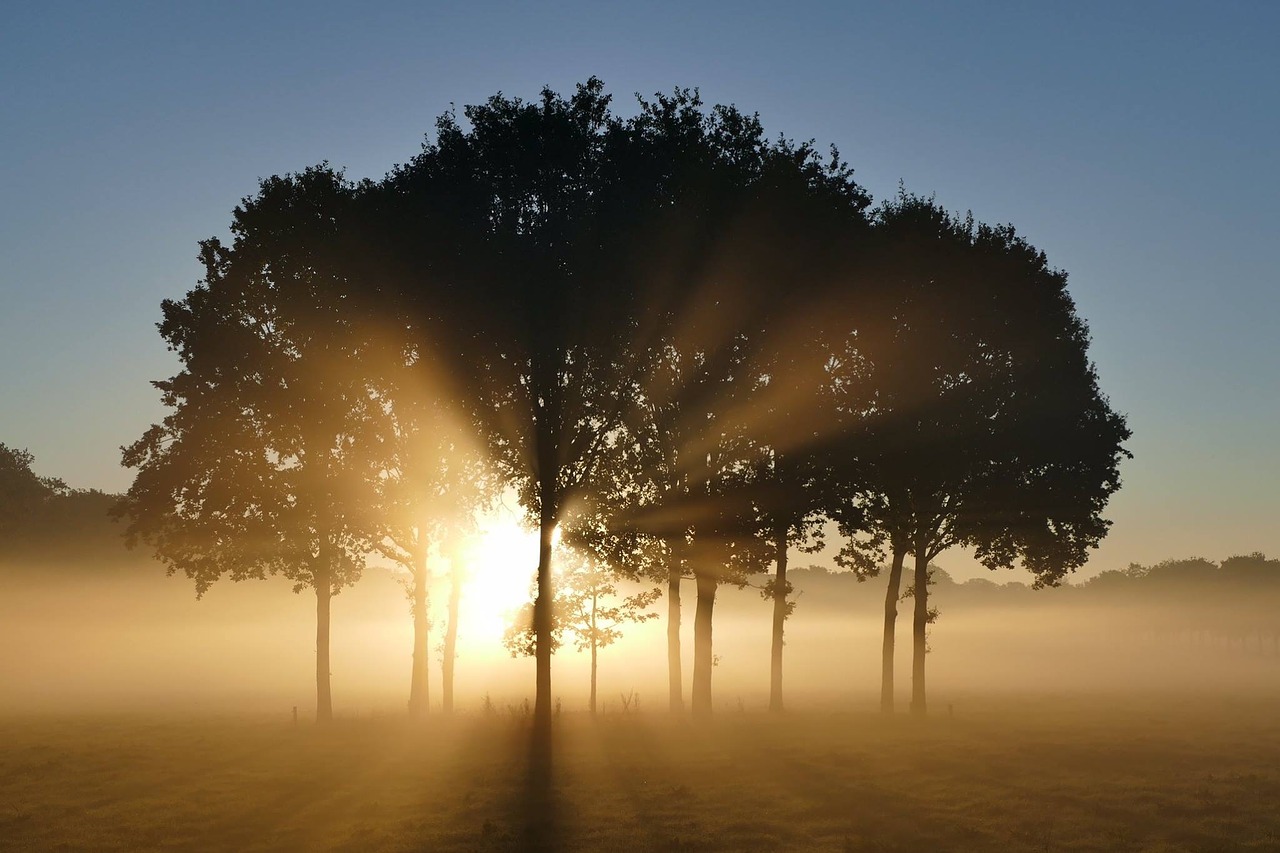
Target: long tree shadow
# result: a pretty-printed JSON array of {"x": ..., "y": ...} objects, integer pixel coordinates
[{"x": 534, "y": 811}]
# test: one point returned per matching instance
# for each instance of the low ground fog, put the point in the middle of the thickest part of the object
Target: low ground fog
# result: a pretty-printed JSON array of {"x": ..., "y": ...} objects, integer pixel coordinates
[{"x": 133, "y": 639}]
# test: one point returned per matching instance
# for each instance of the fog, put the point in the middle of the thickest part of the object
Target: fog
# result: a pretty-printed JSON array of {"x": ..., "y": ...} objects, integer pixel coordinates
[
  {"x": 133, "y": 639},
  {"x": 133, "y": 716}
]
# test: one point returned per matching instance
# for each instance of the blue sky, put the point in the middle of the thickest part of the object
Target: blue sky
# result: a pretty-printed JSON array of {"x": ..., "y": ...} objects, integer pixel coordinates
[{"x": 1137, "y": 144}]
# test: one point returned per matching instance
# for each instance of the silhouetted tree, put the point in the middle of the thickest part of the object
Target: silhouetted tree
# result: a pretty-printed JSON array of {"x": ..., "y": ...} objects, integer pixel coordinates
[
  {"x": 749, "y": 225},
  {"x": 678, "y": 440},
  {"x": 698, "y": 467},
  {"x": 868, "y": 501},
  {"x": 708, "y": 515},
  {"x": 517, "y": 226},
  {"x": 808, "y": 253},
  {"x": 259, "y": 468},
  {"x": 977, "y": 411}
]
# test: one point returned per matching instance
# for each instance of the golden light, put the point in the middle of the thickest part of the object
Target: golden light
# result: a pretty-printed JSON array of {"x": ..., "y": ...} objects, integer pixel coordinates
[{"x": 500, "y": 569}]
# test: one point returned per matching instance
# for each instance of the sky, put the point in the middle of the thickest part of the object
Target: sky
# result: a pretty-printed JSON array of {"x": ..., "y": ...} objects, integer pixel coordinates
[{"x": 1135, "y": 143}]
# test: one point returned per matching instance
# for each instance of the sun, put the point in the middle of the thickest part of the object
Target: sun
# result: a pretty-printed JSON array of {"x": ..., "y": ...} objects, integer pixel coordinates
[{"x": 501, "y": 565}]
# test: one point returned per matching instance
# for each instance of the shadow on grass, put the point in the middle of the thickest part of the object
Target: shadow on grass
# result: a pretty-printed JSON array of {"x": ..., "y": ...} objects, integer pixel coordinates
[{"x": 534, "y": 810}]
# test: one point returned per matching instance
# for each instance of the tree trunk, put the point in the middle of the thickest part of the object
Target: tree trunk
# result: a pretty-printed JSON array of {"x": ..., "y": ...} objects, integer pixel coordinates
[
  {"x": 593, "y": 654},
  {"x": 542, "y": 625},
  {"x": 919, "y": 632},
  {"x": 324, "y": 594},
  {"x": 890, "y": 629},
  {"x": 419, "y": 687},
  {"x": 593, "y": 677},
  {"x": 451, "y": 631},
  {"x": 675, "y": 675},
  {"x": 702, "y": 657},
  {"x": 779, "y": 619}
]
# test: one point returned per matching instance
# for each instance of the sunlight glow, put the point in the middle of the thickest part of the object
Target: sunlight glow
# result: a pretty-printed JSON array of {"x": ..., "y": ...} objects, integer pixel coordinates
[{"x": 501, "y": 568}]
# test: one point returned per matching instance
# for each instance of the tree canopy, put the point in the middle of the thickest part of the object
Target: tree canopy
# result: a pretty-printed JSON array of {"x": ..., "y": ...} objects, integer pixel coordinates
[
  {"x": 672, "y": 336},
  {"x": 261, "y": 466},
  {"x": 975, "y": 415}
]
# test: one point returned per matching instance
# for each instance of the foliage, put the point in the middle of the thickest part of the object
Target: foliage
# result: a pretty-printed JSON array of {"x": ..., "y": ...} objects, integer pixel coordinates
[
  {"x": 769, "y": 592},
  {"x": 257, "y": 468},
  {"x": 43, "y": 521},
  {"x": 684, "y": 344},
  {"x": 588, "y": 607},
  {"x": 22, "y": 491},
  {"x": 974, "y": 414}
]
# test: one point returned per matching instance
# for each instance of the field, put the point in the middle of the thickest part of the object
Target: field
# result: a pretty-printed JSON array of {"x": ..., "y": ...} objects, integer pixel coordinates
[{"x": 1163, "y": 773}]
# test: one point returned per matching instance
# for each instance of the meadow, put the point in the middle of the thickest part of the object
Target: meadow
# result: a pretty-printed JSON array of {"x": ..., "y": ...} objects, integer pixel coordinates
[{"x": 1161, "y": 772}]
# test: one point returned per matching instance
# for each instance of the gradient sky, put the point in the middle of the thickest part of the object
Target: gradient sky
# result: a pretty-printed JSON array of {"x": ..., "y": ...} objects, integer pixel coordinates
[{"x": 1137, "y": 144}]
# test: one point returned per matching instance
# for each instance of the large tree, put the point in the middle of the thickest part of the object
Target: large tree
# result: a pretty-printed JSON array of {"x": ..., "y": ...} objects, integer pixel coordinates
[
  {"x": 511, "y": 230},
  {"x": 259, "y": 466},
  {"x": 752, "y": 233},
  {"x": 975, "y": 413}
]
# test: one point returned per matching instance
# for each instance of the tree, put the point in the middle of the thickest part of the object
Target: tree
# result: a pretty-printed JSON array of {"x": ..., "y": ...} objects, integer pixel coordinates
[
  {"x": 589, "y": 607},
  {"x": 858, "y": 555},
  {"x": 793, "y": 518},
  {"x": 676, "y": 439},
  {"x": 704, "y": 508},
  {"x": 449, "y": 646},
  {"x": 693, "y": 502},
  {"x": 22, "y": 491},
  {"x": 748, "y": 224},
  {"x": 516, "y": 232},
  {"x": 975, "y": 412},
  {"x": 259, "y": 467}
]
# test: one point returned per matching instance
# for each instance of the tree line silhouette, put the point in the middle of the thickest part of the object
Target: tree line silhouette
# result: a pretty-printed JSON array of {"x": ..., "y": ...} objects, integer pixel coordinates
[
  {"x": 1232, "y": 604},
  {"x": 43, "y": 521},
  {"x": 686, "y": 347}
]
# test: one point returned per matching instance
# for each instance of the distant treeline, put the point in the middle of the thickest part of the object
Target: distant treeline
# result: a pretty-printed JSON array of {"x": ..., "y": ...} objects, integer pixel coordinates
[
  {"x": 43, "y": 521},
  {"x": 1232, "y": 604},
  {"x": 1194, "y": 580},
  {"x": 72, "y": 530}
]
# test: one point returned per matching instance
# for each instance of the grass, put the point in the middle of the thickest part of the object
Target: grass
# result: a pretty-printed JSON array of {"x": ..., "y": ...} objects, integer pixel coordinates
[{"x": 1173, "y": 774}]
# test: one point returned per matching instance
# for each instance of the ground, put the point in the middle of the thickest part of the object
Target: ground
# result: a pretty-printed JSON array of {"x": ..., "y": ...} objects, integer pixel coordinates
[{"x": 1017, "y": 774}]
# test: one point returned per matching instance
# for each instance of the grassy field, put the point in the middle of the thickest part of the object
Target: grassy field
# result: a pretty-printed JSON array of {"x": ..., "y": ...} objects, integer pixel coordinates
[{"x": 1024, "y": 774}]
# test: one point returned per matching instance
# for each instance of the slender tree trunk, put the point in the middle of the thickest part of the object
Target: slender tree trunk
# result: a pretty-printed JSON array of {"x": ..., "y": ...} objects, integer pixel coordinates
[
  {"x": 324, "y": 594},
  {"x": 702, "y": 657},
  {"x": 542, "y": 624},
  {"x": 920, "y": 632},
  {"x": 593, "y": 654},
  {"x": 890, "y": 629},
  {"x": 675, "y": 676},
  {"x": 593, "y": 677},
  {"x": 779, "y": 619},
  {"x": 451, "y": 632},
  {"x": 419, "y": 687}
]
